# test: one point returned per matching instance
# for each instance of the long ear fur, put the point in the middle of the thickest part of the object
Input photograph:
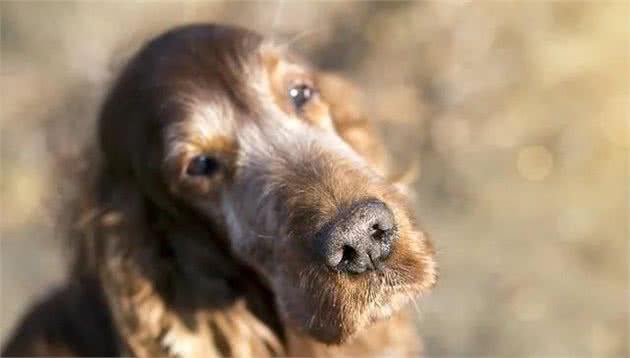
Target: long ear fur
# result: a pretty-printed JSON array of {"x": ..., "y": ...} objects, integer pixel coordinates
[{"x": 108, "y": 239}]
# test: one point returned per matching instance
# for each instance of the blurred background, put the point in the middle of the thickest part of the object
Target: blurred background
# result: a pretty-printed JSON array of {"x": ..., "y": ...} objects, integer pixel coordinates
[{"x": 515, "y": 115}]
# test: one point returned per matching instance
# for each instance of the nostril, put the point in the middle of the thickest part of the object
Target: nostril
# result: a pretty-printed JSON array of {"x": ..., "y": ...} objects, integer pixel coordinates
[
  {"x": 382, "y": 233},
  {"x": 378, "y": 233},
  {"x": 349, "y": 254}
]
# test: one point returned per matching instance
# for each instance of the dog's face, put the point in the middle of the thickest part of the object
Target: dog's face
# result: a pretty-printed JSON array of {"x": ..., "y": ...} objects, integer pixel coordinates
[{"x": 261, "y": 148}]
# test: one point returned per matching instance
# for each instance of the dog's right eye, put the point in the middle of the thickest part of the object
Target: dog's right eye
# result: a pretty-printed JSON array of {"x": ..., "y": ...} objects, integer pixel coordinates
[
  {"x": 300, "y": 95},
  {"x": 203, "y": 165}
]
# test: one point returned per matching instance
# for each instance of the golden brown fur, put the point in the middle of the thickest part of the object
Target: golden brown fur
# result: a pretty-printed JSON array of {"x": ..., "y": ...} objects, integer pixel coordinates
[{"x": 222, "y": 264}]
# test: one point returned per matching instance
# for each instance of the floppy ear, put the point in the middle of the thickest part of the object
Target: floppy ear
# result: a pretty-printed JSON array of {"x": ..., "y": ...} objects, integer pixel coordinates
[
  {"x": 112, "y": 242},
  {"x": 109, "y": 237},
  {"x": 350, "y": 121}
]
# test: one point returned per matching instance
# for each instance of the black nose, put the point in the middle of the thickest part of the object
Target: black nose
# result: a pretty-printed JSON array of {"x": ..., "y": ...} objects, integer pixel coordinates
[{"x": 359, "y": 239}]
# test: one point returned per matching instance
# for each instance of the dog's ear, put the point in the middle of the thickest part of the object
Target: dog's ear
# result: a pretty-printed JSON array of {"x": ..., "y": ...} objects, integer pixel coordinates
[
  {"x": 108, "y": 236},
  {"x": 128, "y": 260},
  {"x": 350, "y": 121}
]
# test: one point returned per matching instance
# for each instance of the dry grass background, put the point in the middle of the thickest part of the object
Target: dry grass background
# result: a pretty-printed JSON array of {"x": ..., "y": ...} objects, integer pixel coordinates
[{"x": 514, "y": 112}]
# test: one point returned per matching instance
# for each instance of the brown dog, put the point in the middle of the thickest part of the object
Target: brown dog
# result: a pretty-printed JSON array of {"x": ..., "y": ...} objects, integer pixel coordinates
[{"x": 240, "y": 207}]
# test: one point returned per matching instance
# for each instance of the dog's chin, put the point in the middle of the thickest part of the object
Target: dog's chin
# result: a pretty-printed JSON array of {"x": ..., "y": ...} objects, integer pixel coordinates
[
  {"x": 343, "y": 328},
  {"x": 335, "y": 318},
  {"x": 334, "y": 330},
  {"x": 330, "y": 334}
]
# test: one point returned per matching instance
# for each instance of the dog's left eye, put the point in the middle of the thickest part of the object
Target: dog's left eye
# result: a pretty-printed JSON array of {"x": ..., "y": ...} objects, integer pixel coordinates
[
  {"x": 203, "y": 165},
  {"x": 301, "y": 94}
]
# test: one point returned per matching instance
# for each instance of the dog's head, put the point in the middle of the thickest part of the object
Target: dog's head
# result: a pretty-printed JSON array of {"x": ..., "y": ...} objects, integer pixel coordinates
[{"x": 277, "y": 158}]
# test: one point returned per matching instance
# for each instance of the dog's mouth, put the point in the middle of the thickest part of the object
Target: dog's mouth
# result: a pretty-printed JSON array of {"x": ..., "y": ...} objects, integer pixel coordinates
[{"x": 333, "y": 306}]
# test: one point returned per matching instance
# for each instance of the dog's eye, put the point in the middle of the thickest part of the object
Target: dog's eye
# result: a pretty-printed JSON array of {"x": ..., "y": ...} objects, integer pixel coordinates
[
  {"x": 300, "y": 95},
  {"x": 202, "y": 165}
]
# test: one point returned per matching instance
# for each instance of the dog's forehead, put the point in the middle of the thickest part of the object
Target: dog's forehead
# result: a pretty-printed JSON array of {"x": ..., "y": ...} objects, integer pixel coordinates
[{"x": 245, "y": 93}]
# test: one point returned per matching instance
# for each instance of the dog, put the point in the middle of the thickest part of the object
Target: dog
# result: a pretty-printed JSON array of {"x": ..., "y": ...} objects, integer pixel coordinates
[{"x": 238, "y": 203}]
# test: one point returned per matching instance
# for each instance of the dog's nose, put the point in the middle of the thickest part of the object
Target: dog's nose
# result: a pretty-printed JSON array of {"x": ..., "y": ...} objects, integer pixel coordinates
[{"x": 359, "y": 239}]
